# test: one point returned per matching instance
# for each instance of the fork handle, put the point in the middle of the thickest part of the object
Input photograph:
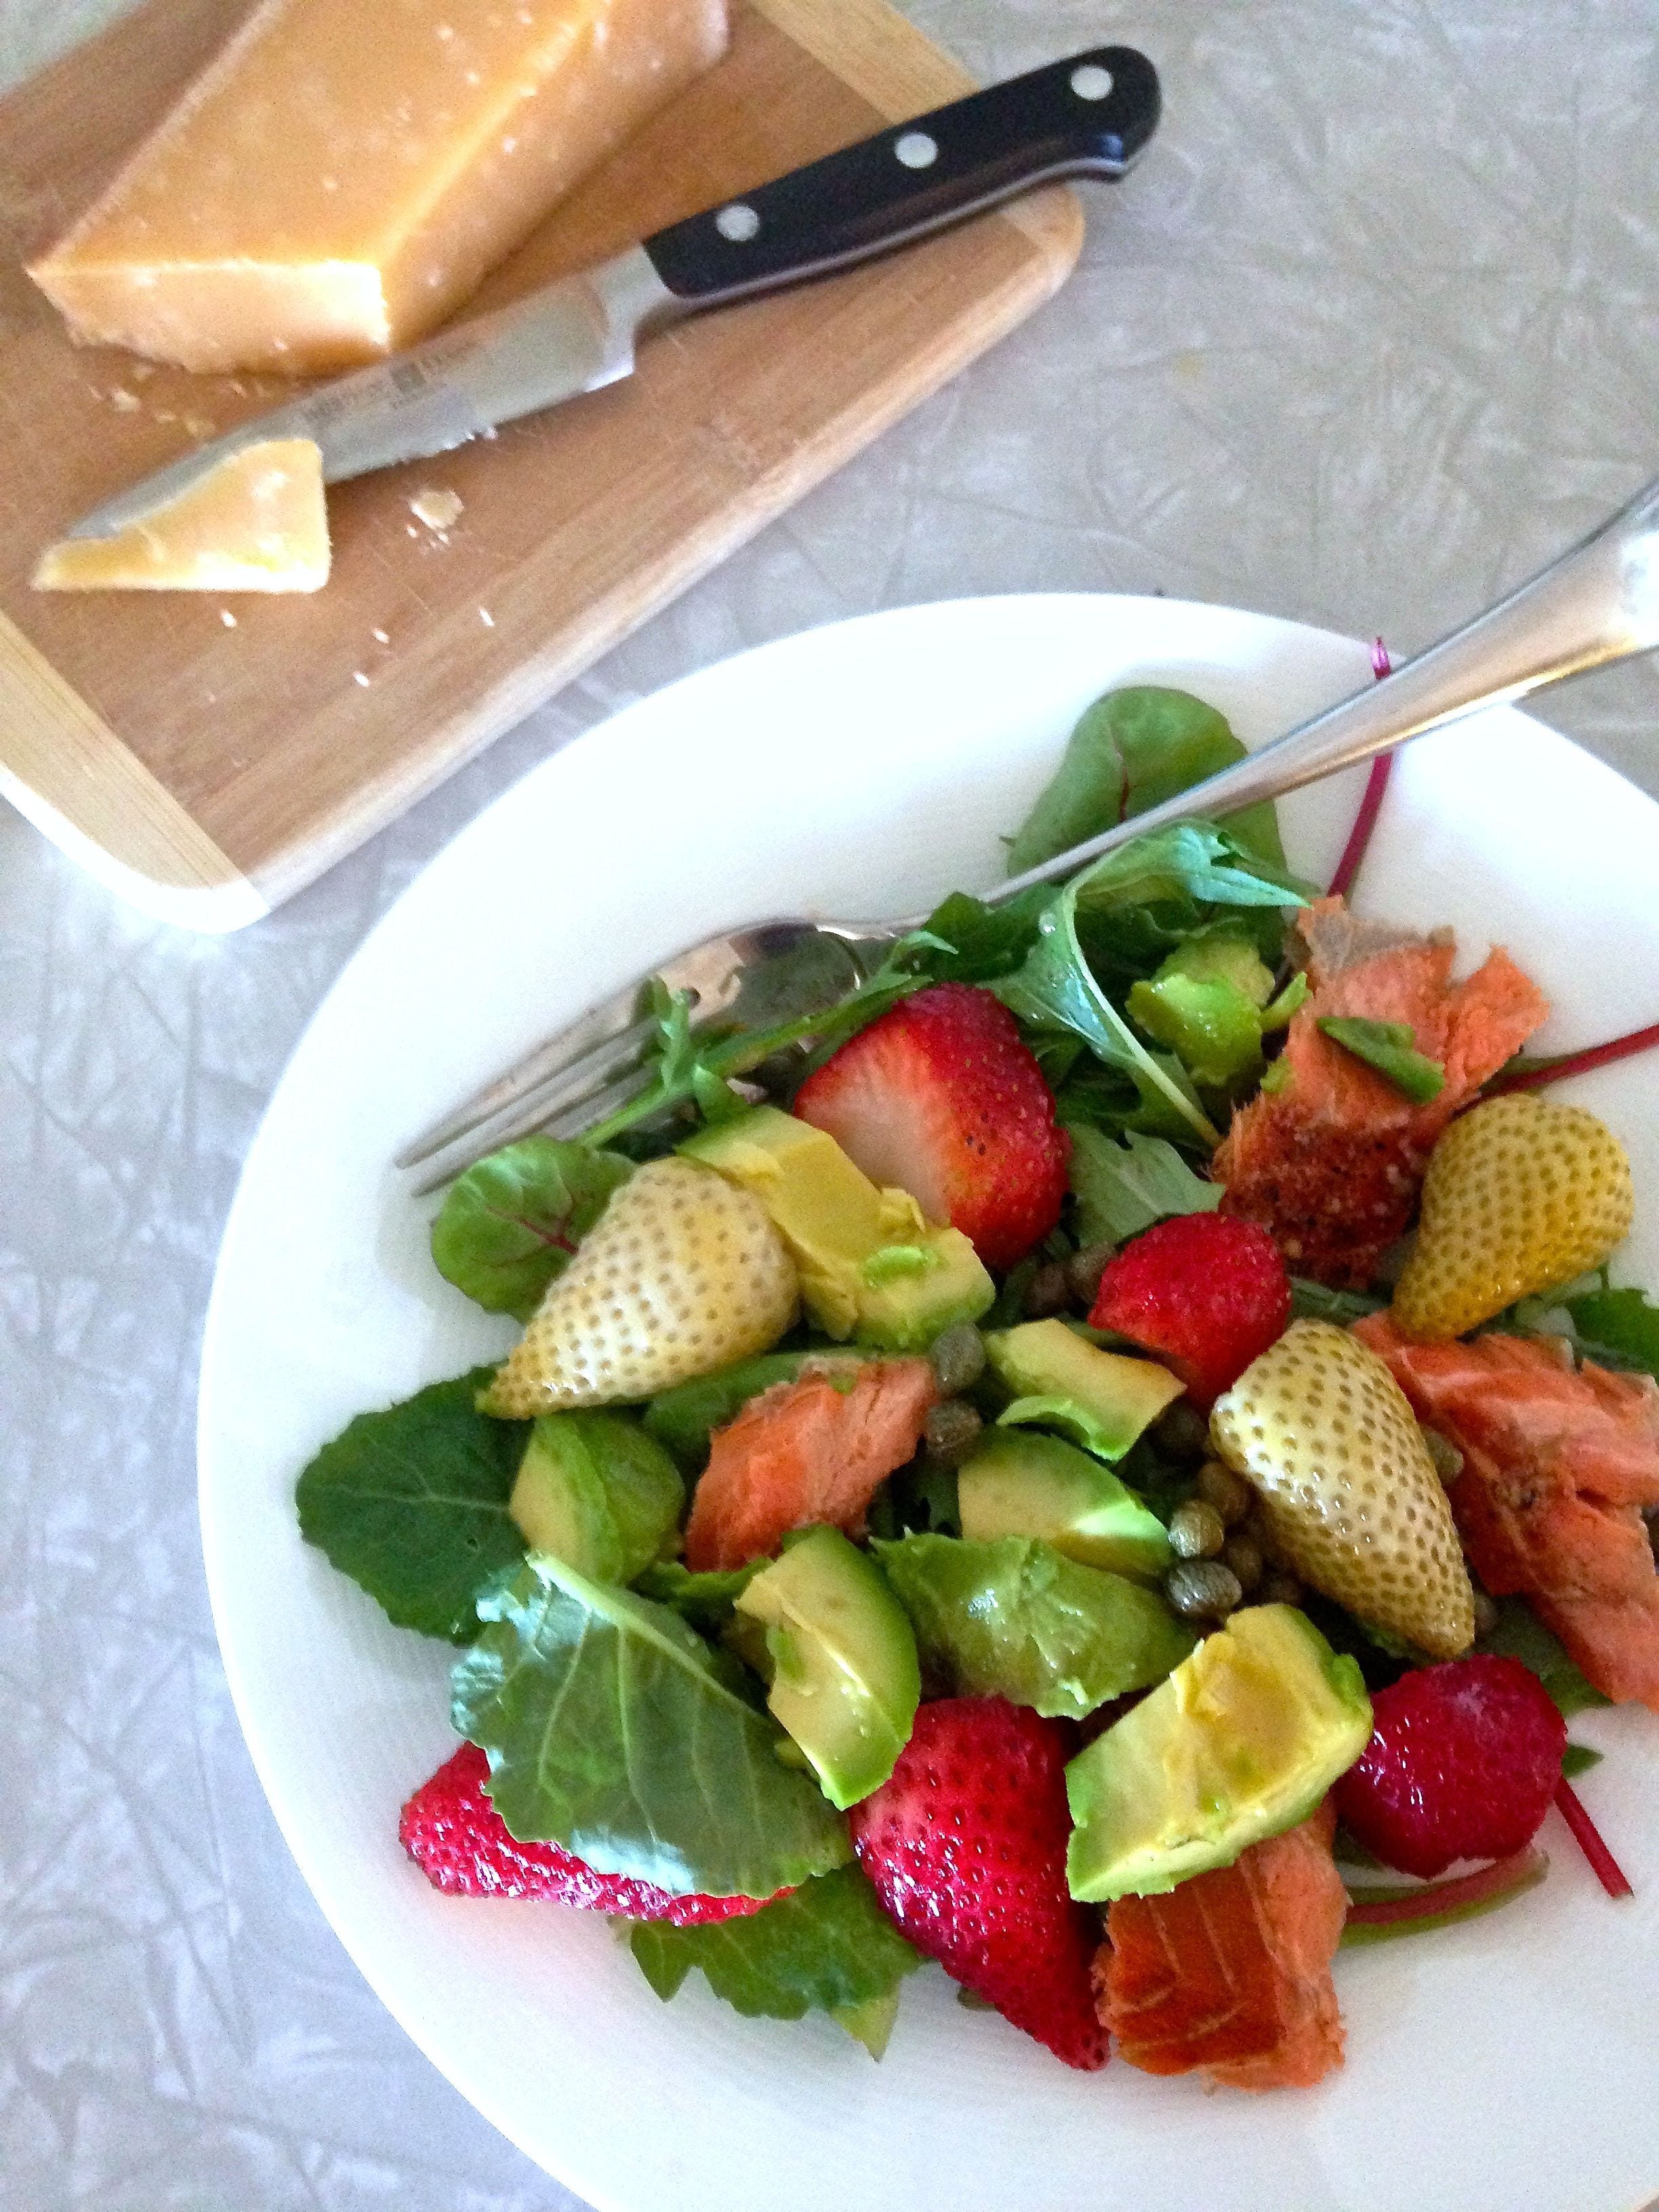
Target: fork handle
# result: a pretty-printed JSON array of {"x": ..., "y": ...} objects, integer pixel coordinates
[{"x": 1599, "y": 602}]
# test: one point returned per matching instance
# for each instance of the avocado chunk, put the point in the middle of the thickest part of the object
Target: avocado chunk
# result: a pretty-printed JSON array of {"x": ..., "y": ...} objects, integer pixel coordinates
[
  {"x": 1242, "y": 1742},
  {"x": 871, "y": 1265},
  {"x": 597, "y": 1492},
  {"x": 1018, "y": 1619},
  {"x": 1020, "y": 1483},
  {"x": 1060, "y": 1380},
  {"x": 683, "y": 1420},
  {"x": 845, "y": 1679}
]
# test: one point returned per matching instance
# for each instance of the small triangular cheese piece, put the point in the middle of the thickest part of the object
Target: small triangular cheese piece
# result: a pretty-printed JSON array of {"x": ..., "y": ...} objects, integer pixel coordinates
[{"x": 256, "y": 522}]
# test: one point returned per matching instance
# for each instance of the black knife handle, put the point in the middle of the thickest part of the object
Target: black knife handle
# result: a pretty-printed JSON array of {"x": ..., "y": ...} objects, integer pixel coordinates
[{"x": 1090, "y": 114}]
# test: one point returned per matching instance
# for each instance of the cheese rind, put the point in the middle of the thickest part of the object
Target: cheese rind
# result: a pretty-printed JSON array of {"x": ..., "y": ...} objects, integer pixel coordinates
[
  {"x": 256, "y": 522},
  {"x": 339, "y": 180}
]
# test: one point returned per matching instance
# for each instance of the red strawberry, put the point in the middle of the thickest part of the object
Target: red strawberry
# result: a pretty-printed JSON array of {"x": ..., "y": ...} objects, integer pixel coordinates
[
  {"x": 941, "y": 1098},
  {"x": 1206, "y": 1292},
  {"x": 966, "y": 1846},
  {"x": 1462, "y": 1763},
  {"x": 461, "y": 1843}
]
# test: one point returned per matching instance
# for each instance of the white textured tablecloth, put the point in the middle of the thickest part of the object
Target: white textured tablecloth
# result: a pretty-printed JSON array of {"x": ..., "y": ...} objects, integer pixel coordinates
[{"x": 1372, "y": 332}]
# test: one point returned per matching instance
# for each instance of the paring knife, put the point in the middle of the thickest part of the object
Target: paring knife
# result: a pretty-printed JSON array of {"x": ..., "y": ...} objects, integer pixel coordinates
[{"x": 1089, "y": 115}]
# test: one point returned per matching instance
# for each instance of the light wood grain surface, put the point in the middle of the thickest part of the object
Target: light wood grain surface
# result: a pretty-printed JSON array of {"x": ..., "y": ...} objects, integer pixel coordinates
[{"x": 218, "y": 765}]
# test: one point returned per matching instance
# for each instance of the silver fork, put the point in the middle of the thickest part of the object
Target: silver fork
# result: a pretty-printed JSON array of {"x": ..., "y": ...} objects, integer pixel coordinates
[{"x": 1597, "y": 603}]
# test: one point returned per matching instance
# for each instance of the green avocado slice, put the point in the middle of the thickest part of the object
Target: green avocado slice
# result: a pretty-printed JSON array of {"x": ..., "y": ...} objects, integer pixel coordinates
[{"x": 1242, "y": 1742}]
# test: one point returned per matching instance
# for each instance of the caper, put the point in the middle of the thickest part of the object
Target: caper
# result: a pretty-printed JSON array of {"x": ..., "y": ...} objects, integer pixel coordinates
[
  {"x": 1485, "y": 1614},
  {"x": 1084, "y": 1271},
  {"x": 958, "y": 1358},
  {"x": 1182, "y": 1431},
  {"x": 1049, "y": 1292},
  {"x": 1448, "y": 1460},
  {"x": 1230, "y": 1495},
  {"x": 1202, "y": 1589},
  {"x": 1242, "y": 1553},
  {"x": 1196, "y": 1530},
  {"x": 951, "y": 1432},
  {"x": 1278, "y": 1587}
]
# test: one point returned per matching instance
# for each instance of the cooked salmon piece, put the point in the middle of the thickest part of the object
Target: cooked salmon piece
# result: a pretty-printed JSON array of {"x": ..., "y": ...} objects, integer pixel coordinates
[
  {"x": 1332, "y": 1161},
  {"x": 1558, "y": 1464},
  {"x": 1231, "y": 1970},
  {"x": 816, "y": 1450}
]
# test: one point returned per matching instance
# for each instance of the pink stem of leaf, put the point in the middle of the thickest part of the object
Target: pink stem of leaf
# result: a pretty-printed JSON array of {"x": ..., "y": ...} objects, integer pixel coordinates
[
  {"x": 1577, "y": 1063},
  {"x": 1371, "y": 804},
  {"x": 1434, "y": 1897},
  {"x": 1588, "y": 1837},
  {"x": 1363, "y": 822}
]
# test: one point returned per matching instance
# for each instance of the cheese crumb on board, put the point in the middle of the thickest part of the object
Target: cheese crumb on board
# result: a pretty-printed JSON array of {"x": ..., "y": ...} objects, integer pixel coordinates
[
  {"x": 337, "y": 182},
  {"x": 256, "y": 523},
  {"x": 439, "y": 510}
]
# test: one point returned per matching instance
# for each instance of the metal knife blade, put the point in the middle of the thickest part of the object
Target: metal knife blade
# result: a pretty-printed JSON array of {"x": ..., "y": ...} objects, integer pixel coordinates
[
  {"x": 1090, "y": 114},
  {"x": 573, "y": 337}
]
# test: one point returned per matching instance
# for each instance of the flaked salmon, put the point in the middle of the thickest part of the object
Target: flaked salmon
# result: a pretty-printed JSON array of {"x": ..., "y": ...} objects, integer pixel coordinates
[
  {"x": 816, "y": 1450},
  {"x": 1231, "y": 1971},
  {"x": 1558, "y": 1464},
  {"x": 1332, "y": 1161}
]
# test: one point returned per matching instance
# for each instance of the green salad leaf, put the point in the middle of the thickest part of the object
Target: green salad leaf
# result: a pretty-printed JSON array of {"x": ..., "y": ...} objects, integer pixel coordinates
[
  {"x": 610, "y": 1731},
  {"x": 1132, "y": 748},
  {"x": 513, "y": 1222},
  {"x": 1521, "y": 1635},
  {"x": 1312, "y": 1301},
  {"x": 827, "y": 1947},
  {"x": 1132, "y": 907},
  {"x": 706, "y": 1600},
  {"x": 1013, "y": 1618},
  {"x": 1390, "y": 1047},
  {"x": 1124, "y": 1187},
  {"x": 1618, "y": 1329},
  {"x": 411, "y": 1503},
  {"x": 1578, "y": 1758}
]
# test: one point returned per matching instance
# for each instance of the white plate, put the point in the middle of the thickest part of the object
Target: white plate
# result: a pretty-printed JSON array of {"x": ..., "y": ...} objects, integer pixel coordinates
[{"x": 858, "y": 769}]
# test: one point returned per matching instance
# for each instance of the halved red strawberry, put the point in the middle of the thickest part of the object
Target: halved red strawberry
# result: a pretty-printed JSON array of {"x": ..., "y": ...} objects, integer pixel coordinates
[
  {"x": 460, "y": 1843},
  {"x": 966, "y": 1846},
  {"x": 1205, "y": 1291},
  {"x": 1462, "y": 1763},
  {"x": 941, "y": 1098}
]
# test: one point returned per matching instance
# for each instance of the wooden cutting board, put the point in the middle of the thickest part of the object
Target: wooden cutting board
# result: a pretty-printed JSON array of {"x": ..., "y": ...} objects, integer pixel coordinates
[{"x": 209, "y": 755}]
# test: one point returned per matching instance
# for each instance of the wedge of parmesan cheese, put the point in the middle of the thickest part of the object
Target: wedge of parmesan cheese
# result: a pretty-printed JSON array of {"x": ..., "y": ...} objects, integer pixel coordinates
[
  {"x": 256, "y": 522},
  {"x": 339, "y": 180}
]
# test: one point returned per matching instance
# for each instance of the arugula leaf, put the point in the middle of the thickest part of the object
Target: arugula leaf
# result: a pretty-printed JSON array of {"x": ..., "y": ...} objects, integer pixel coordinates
[
  {"x": 610, "y": 1731},
  {"x": 705, "y": 1599},
  {"x": 513, "y": 1222},
  {"x": 1619, "y": 1328},
  {"x": 1136, "y": 905},
  {"x": 1390, "y": 1047},
  {"x": 1521, "y": 1635},
  {"x": 1132, "y": 748},
  {"x": 1153, "y": 897},
  {"x": 1013, "y": 1618},
  {"x": 828, "y": 1946},
  {"x": 973, "y": 942},
  {"x": 1578, "y": 1758},
  {"x": 1123, "y": 1188},
  {"x": 411, "y": 1503}
]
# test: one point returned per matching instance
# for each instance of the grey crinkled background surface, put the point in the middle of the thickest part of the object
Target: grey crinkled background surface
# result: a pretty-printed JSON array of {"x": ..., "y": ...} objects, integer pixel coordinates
[{"x": 1370, "y": 334}]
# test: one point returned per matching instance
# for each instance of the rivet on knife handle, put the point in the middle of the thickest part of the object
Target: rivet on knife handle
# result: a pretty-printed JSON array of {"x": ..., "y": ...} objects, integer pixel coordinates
[{"x": 1090, "y": 114}]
